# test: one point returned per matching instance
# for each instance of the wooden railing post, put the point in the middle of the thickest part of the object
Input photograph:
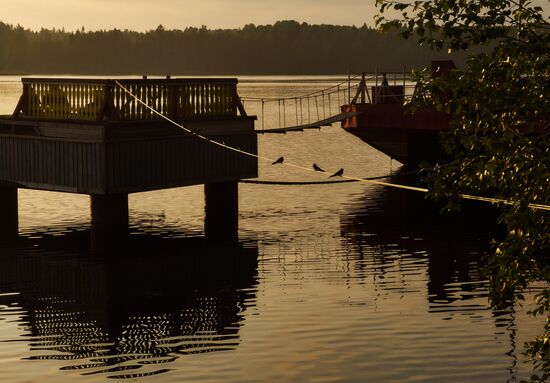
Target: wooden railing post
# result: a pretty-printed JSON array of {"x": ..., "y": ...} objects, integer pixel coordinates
[
  {"x": 240, "y": 106},
  {"x": 363, "y": 88},
  {"x": 361, "y": 91},
  {"x": 107, "y": 109},
  {"x": 172, "y": 102},
  {"x": 234, "y": 99}
]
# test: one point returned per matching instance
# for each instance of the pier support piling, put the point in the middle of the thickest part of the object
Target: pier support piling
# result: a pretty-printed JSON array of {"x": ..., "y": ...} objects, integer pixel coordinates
[
  {"x": 109, "y": 215},
  {"x": 9, "y": 222},
  {"x": 221, "y": 211}
]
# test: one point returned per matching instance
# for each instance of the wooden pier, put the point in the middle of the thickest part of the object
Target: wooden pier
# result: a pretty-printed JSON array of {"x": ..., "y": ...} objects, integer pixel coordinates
[{"x": 89, "y": 136}]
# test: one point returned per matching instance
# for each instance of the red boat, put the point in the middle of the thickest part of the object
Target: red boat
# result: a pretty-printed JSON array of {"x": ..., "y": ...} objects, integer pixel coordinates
[{"x": 384, "y": 124}]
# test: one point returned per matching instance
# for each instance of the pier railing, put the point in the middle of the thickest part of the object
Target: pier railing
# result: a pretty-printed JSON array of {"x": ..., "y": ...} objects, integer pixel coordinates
[{"x": 104, "y": 100}]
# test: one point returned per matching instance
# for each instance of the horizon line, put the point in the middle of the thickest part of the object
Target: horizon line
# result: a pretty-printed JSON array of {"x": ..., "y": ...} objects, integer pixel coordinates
[{"x": 189, "y": 27}]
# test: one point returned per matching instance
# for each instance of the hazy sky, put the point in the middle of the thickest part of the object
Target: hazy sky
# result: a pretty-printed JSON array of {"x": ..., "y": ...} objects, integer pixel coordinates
[{"x": 148, "y": 14}]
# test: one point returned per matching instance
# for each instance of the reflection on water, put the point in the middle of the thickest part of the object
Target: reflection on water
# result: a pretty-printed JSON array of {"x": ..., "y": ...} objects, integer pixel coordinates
[
  {"x": 393, "y": 294},
  {"x": 129, "y": 311},
  {"x": 330, "y": 283},
  {"x": 408, "y": 229},
  {"x": 396, "y": 235}
]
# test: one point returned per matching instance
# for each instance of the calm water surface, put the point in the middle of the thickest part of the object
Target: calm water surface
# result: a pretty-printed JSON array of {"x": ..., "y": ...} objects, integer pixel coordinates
[{"x": 328, "y": 283}]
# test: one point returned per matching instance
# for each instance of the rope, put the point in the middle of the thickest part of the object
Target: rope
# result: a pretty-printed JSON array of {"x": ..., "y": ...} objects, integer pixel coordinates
[
  {"x": 308, "y": 169},
  {"x": 279, "y": 112},
  {"x": 317, "y": 107},
  {"x": 284, "y": 114},
  {"x": 267, "y": 182},
  {"x": 306, "y": 95},
  {"x": 263, "y": 115},
  {"x": 301, "y": 113},
  {"x": 296, "y": 105},
  {"x": 323, "y": 101}
]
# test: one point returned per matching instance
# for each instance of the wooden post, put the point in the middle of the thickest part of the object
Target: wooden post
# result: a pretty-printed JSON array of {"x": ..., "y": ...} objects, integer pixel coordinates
[
  {"x": 363, "y": 87},
  {"x": 107, "y": 109},
  {"x": 172, "y": 102},
  {"x": 349, "y": 86},
  {"x": 109, "y": 216},
  {"x": 235, "y": 100},
  {"x": 221, "y": 211},
  {"x": 375, "y": 92},
  {"x": 361, "y": 90},
  {"x": 404, "y": 84},
  {"x": 9, "y": 223},
  {"x": 240, "y": 107}
]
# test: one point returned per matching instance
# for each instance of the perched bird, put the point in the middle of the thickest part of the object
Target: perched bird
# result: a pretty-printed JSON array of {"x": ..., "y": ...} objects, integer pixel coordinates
[
  {"x": 279, "y": 161},
  {"x": 317, "y": 168},
  {"x": 339, "y": 173}
]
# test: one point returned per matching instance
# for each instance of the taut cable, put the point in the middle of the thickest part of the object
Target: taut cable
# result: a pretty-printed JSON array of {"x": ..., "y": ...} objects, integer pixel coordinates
[{"x": 271, "y": 160}]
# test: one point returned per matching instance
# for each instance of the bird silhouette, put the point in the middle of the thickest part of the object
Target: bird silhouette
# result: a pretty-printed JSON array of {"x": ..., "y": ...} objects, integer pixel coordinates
[
  {"x": 279, "y": 161},
  {"x": 339, "y": 173},
  {"x": 317, "y": 168}
]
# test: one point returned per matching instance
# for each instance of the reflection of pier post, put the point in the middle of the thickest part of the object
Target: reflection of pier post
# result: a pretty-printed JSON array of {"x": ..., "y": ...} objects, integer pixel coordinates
[
  {"x": 144, "y": 307},
  {"x": 9, "y": 225},
  {"x": 221, "y": 210}
]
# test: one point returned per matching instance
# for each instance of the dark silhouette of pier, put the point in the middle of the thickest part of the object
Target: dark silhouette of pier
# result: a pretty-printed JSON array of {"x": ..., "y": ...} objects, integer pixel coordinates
[{"x": 91, "y": 136}]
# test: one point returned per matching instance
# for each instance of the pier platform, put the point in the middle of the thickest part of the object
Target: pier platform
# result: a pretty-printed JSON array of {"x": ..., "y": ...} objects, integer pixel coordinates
[{"x": 90, "y": 136}]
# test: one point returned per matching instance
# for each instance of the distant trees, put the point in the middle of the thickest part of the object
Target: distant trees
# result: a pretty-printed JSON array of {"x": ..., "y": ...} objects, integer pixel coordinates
[{"x": 287, "y": 47}]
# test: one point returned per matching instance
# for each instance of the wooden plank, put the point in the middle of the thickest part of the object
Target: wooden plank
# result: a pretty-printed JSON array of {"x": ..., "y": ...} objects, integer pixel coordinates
[{"x": 129, "y": 164}]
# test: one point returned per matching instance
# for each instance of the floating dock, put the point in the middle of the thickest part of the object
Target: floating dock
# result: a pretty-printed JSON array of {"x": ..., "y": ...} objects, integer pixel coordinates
[
  {"x": 90, "y": 136},
  {"x": 383, "y": 121}
]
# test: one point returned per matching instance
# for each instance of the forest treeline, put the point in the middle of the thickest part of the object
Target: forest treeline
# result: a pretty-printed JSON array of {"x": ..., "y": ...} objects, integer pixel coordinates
[{"x": 286, "y": 47}]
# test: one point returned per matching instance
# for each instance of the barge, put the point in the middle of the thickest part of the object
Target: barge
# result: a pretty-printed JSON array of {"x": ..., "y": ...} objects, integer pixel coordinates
[{"x": 381, "y": 120}]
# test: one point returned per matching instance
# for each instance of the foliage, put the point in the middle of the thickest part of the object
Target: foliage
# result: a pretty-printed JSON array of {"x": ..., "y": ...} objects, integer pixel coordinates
[
  {"x": 499, "y": 142},
  {"x": 287, "y": 47}
]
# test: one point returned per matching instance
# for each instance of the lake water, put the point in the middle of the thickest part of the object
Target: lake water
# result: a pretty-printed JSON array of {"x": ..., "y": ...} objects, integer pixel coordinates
[{"x": 329, "y": 283}]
